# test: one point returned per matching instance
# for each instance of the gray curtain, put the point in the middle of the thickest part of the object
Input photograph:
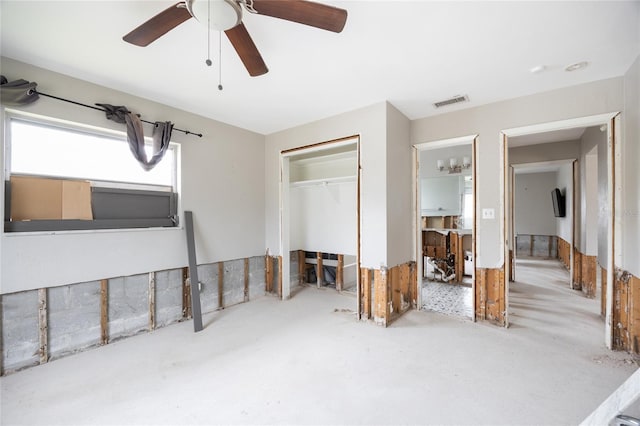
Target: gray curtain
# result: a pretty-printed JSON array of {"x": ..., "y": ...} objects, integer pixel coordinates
[
  {"x": 18, "y": 92},
  {"x": 135, "y": 135}
]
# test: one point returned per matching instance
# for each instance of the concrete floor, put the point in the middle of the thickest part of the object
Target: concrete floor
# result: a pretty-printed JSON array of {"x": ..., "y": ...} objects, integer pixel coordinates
[{"x": 307, "y": 361}]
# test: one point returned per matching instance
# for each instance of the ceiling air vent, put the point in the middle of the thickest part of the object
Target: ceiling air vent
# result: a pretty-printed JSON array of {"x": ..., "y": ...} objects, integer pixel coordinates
[{"x": 456, "y": 99}]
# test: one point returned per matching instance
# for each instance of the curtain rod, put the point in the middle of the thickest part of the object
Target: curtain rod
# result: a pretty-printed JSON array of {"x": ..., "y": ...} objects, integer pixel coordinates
[{"x": 186, "y": 132}]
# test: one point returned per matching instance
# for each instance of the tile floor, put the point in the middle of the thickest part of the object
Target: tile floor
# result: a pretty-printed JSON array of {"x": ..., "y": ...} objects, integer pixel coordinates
[{"x": 449, "y": 299}]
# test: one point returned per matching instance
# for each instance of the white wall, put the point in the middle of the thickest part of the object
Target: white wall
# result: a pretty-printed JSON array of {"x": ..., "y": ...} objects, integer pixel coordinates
[
  {"x": 370, "y": 124},
  {"x": 222, "y": 183},
  {"x": 533, "y": 205},
  {"x": 487, "y": 121},
  {"x": 399, "y": 189},
  {"x": 564, "y": 182},
  {"x": 630, "y": 151},
  {"x": 324, "y": 218},
  {"x": 590, "y": 205}
]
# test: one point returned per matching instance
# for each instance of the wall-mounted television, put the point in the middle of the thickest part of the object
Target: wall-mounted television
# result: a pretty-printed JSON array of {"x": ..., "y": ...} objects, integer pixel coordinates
[{"x": 558, "y": 203}]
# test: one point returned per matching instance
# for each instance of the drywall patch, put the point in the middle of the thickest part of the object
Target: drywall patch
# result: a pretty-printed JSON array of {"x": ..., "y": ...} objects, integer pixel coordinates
[
  {"x": 128, "y": 306},
  {"x": 74, "y": 317},
  {"x": 20, "y": 339},
  {"x": 168, "y": 297}
]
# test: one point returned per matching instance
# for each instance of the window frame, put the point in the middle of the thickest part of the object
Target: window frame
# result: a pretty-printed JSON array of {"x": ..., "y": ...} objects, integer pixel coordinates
[{"x": 168, "y": 196}]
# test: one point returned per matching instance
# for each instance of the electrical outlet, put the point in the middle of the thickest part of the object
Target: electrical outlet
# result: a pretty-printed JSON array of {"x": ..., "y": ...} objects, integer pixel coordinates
[{"x": 488, "y": 213}]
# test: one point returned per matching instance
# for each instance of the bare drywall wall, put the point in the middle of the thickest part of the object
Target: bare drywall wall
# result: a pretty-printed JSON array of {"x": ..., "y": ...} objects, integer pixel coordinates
[
  {"x": 533, "y": 206},
  {"x": 630, "y": 170},
  {"x": 487, "y": 121},
  {"x": 221, "y": 182}
]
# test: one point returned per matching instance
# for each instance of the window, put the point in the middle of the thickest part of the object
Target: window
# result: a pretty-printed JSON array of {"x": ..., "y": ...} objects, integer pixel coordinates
[{"x": 122, "y": 194}]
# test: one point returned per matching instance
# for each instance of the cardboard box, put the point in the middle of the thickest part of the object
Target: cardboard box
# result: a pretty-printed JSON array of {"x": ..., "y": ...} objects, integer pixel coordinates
[{"x": 34, "y": 198}]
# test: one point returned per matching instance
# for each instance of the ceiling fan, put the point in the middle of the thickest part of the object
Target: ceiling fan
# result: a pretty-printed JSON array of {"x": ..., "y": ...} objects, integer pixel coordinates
[{"x": 226, "y": 15}]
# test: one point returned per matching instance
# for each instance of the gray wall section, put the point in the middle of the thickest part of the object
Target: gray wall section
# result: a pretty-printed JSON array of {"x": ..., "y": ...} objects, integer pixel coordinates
[
  {"x": 20, "y": 340},
  {"x": 74, "y": 317},
  {"x": 168, "y": 297},
  {"x": 256, "y": 277},
  {"x": 128, "y": 305},
  {"x": 233, "y": 282},
  {"x": 208, "y": 276},
  {"x": 74, "y": 310},
  {"x": 542, "y": 246}
]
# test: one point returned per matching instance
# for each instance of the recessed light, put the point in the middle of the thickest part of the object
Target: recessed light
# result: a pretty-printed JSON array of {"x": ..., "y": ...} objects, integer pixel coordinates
[
  {"x": 576, "y": 66},
  {"x": 537, "y": 69}
]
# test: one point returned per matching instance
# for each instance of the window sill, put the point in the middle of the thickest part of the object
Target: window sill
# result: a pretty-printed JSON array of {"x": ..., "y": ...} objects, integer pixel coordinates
[{"x": 83, "y": 226}]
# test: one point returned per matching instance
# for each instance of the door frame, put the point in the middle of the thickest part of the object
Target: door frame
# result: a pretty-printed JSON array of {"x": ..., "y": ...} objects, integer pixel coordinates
[
  {"x": 417, "y": 213},
  {"x": 285, "y": 234},
  {"x": 614, "y": 252}
]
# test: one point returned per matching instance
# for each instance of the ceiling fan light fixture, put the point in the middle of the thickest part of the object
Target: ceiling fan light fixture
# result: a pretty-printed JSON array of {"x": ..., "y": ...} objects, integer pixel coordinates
[{"x": 225, "y": 14}]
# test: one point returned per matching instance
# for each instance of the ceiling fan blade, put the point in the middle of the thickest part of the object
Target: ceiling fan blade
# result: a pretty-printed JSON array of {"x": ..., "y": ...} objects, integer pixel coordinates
[
  {"x": 158, "y": 26},
  {"x": 247, "y": 50},
  {"x": 305, "y": 12}
]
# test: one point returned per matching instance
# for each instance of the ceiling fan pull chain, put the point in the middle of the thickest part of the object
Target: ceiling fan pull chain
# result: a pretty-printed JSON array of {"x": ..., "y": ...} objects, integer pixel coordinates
[
  {"x": 220, "y": 60},
  {"x": 208, "y": 61}
]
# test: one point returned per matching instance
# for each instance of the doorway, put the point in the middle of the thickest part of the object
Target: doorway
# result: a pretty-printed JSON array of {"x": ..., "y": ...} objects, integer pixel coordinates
[
  {"x": 608, "y": 244},
  {"x": 445, "y": 212},
  {"x": 320, "y": 216}
]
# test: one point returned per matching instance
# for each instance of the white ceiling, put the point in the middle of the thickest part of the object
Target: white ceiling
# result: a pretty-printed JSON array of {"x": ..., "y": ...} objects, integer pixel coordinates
[{"x": 410, "y": 53}]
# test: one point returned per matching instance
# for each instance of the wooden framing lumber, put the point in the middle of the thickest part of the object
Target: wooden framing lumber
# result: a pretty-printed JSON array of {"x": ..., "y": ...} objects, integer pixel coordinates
[
  {"x": 246, "y": 279},
  {"x": 152, "y": 301},
  {"x": 490, "y": 295},
  {"x": 268, "y": 261},
  {"x": 603, "y": 292},
  {"x": 43, "y": 326},
  {"x": 302, "y": 267},
  {"x": 365, "y": 273},
  {"x": 340, "y": 273},
  {"x": 221, "y": 285},
  {"x": 381, "y": 296},
  {"x": 577, "y": 269},
  {"x": 319, "y": 270},
  {"x": 104, "y": 312},
  {"x": 186, "y": 294},
  {"x": 280, "y": 276},
  {"x": 588, "y": 276}
]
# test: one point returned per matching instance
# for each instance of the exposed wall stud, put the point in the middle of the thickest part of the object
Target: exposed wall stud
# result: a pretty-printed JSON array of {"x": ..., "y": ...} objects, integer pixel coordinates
[
  {"x": 43, "y": 326},
  {"x": 268, "y": 275},
  {"x": 221, "y": 285},
  {"x": 246, "y": 279},
  {"x": 104, "y": 312},
  {"x": 366, "y": 292},
  {"x": 319, "y": 270},
  {"x": 152, "y": 301},
  {"x": 186, "y": 294},
  {"x": 340, "y": 272},
  {"x": 302, "y": 267},
  {"x": 381, "y": 299},
  {"x": 280, "y": 276}
]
